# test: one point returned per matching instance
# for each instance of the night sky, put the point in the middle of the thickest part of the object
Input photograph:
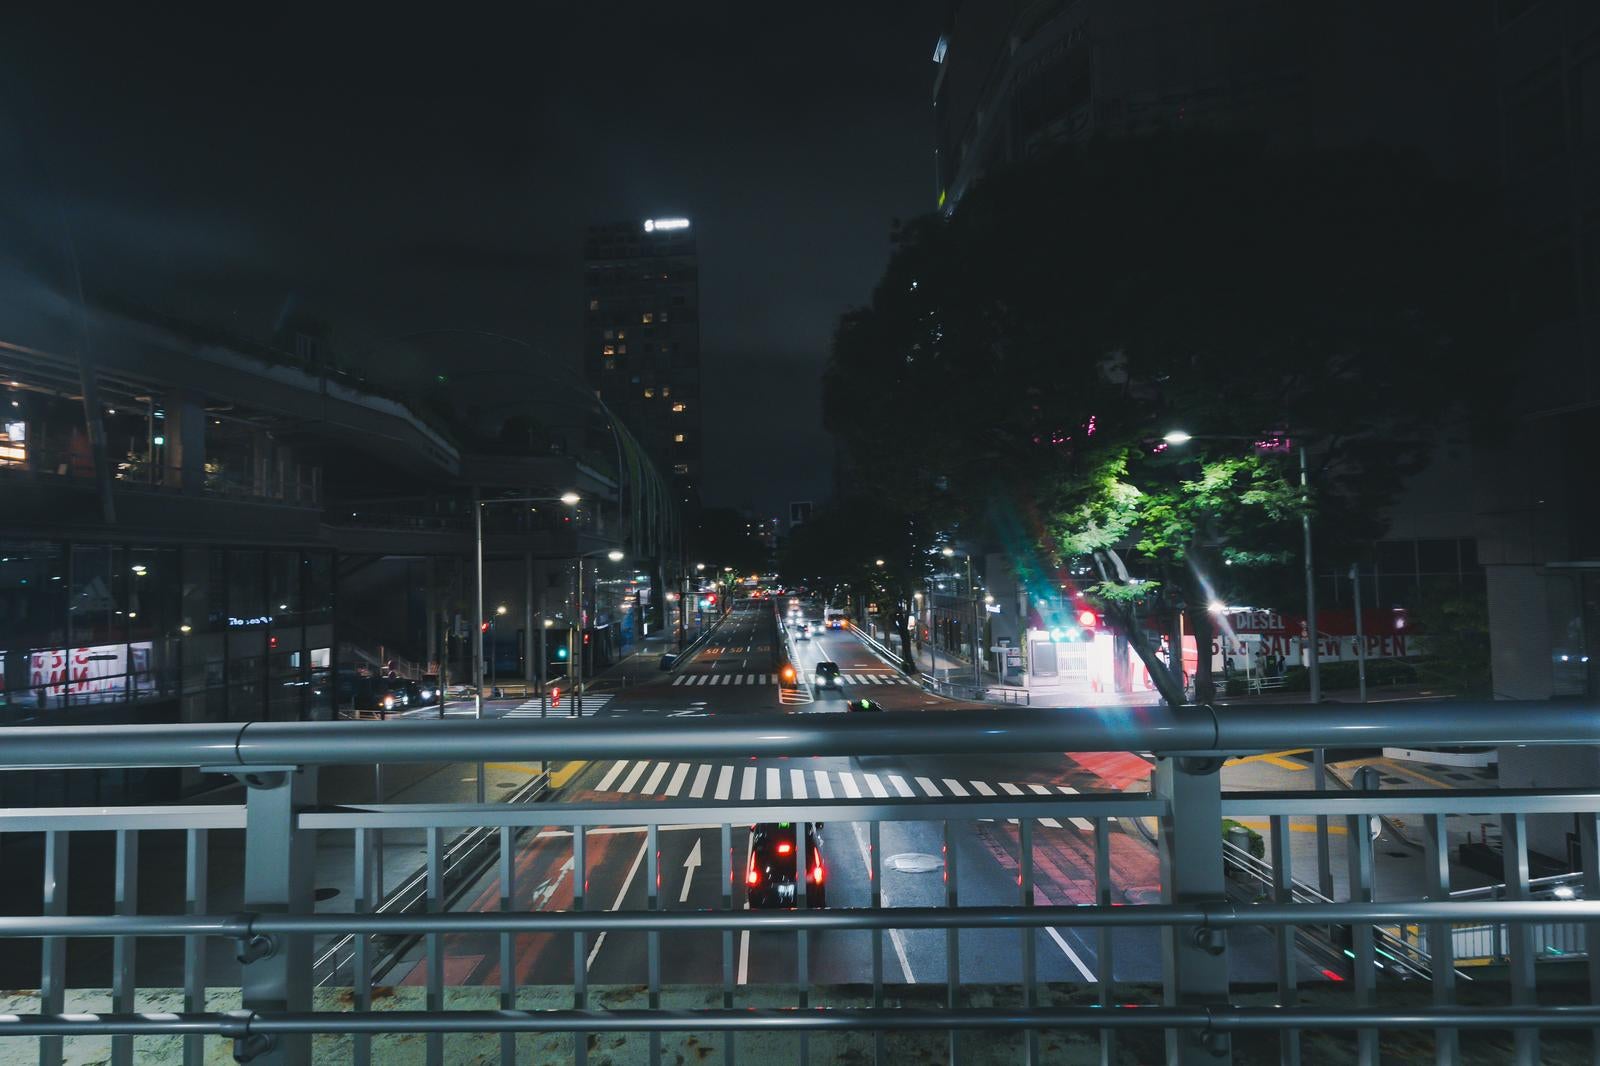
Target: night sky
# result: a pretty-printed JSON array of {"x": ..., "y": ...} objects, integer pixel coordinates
[{"x": 395, "y": 176}]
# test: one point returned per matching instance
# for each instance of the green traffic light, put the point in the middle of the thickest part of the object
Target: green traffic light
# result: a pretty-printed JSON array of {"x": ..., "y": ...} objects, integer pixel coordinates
[{"x": 561, "y": 653}]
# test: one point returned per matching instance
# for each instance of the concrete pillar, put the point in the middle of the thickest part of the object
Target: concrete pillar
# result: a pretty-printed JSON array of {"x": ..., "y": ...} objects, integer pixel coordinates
[
  {"x": 186, "y": 442},
  {"x": 530, "y": 618}
]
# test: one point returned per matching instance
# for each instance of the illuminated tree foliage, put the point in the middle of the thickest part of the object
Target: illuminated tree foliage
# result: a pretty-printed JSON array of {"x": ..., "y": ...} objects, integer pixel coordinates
[{"x": 1021, "y": 360}]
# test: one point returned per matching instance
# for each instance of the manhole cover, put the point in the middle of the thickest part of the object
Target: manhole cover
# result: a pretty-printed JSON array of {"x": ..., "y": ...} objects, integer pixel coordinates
[
  {"x": 325, "y": 894},
  {"x": 912, "y": 862}
]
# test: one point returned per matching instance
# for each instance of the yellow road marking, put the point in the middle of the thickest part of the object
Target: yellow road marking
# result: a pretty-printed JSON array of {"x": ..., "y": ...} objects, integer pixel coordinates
[
  {"x": 567, "y": 772},
  {"x": 1305, "y": 827},
  {"x": 1276, "y": 758}
]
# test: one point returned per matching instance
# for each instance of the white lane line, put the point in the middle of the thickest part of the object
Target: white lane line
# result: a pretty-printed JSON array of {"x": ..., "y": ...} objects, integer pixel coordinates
[
  {"x": 616, "y": 768},
  {"x": 1081, "y": 823},
  {"x": 678, "y": 777},
  {"x": 701, "y": 776},
  {"x": 824, "y": 786},
  {"x": 1039, "y": 790},
  {"x": 724, "y": 782},
  {"x": 983, "y": 789},
  {"x": 955, "y": 787},
  {"x": 738, "y": 679},
  {"x": 656, "y": 775},
  {"x": 876, "y": 786},
  {"x": 1088, "y": 974},
  {"x": 747, "y": 786},
  {"x": 633, "y": 871},
  {"x": 774, "y": 783},
  {"x": 1050, "y": 823},
  {"x": 927, "y": 785},
  {"x": 744, "y": 934},
  {"x": 848, "y": 780},
  {"x": 611, "y": 830},
  {"x": 633, "y": 776},
  {"x": 1010, "y": 789},
  {"x": 797, "y": 784},
  {"x": 896, "y": 937},
  {"x": 901, "y": 787},
  {"x": 679, "y": 680}
]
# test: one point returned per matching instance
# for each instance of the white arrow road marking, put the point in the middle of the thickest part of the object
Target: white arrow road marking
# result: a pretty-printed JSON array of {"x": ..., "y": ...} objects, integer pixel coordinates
[
  {"x": 690, "y": 865},
  {"x": 542, "y": 894}
]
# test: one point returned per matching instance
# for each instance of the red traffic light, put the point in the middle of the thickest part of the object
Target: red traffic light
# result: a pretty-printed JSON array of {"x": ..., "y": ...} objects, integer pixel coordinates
[
  {"x": 711, "y": 598},
  {"x": 586, "y": 638},
  {"x": 483, "y": 627},
  {"x": 555, "y": 695},
  {"x": 1088, "y": 619}
]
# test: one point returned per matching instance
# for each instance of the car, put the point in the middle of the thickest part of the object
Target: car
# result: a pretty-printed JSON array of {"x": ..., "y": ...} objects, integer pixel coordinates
[
  {"x": 376, "y": 696},
  {"x": 769, "y": 876},
  {"x": 803, "y": 634},
  {"x": 428, "y": 689},
  {"x": 866, "y": 705},
  {"x": 826, "y": 675}
]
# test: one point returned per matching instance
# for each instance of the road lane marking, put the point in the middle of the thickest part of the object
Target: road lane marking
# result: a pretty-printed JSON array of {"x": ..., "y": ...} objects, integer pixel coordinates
[
  {"x": 633, "y": 871},
  {"x": 797, "y": 783},
  {"x": 1010, "y": 789},
  {"x": 612, "y": 830},
  {"x": 876, "y": 786},
  {"x": 901, "y": 787},
  {"x": 824, "y": 785},
  {"x": 747, "y": 785},
  {"x": 656, "y": 775},
  {"x": 983, "y": 789},
  {"x": 633, "y": 776},
  {"x": 1088, "y": 974},
  {"x": 929, "y": 787},
  {"x": 774, "y": 783},
  {"x": 849, "y": 783},
  {"x": 744, "y": 934},
  {"x": 955, "y": 787},
  {"x": 1050, "y": 822},
  {"x": 1081, "y": 823},
  {"x": 1039, "y": 789},
  {"x": 896, "y": 937},
  {"x": 679, "y": 680},
  {"x": 701, "y": 776},
  {"x": 616, "y": 768},
  {"x": 724, "y": 782}
]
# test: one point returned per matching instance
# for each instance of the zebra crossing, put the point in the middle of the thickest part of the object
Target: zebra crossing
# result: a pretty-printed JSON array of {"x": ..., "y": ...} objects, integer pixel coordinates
[
  {"x": 772, "y": 679},
  {"x": 667, "y": 779},
  {"x": 592, "y": 705}
]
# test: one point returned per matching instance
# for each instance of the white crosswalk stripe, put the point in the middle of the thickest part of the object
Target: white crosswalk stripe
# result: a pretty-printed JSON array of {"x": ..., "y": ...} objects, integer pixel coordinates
[
  {"x": 592, "y": 705},
  {"x": 772, "y": 679},
  {"x": 668, "y": 779}
]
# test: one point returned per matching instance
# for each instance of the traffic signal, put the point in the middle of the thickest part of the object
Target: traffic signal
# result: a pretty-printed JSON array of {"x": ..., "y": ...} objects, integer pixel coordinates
[
  {"x": 561, "y": 653},
  {"x": 483, "y": 627},
  {"x": 555, "y": 695},
  {"x": 711, "y": 599},
  {"x": 586, "y": 638},
  {"x": 1088, "y": 619}
]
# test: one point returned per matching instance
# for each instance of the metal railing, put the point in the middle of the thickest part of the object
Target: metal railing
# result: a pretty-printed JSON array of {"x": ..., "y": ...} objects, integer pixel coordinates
[{"x": 1201, "y": 1012}]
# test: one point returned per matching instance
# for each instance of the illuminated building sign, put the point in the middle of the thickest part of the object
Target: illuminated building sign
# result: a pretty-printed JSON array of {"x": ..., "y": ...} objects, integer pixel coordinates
[{"x": 657, "y": 225}]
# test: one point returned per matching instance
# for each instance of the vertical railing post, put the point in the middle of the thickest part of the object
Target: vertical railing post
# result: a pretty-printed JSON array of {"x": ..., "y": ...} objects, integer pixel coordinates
[
  {"x": 124, "y": 949},
  {"x": 196, "y": 901},
  {"x": 53, "y": 949},
  {"x": 1030, "y": 935},
  {"x": 1285, "y": 954},
  {"x": 278, "y": 876},
  {"x": 1521, "y": 957},
  {"x": 1107, "y": 970},
  {"x": 1194, "y": 958},
  {"x": 1589, "y": 849},
  {"x": 1358, "y": 841},
  {"x": 1441, "y": 937}
]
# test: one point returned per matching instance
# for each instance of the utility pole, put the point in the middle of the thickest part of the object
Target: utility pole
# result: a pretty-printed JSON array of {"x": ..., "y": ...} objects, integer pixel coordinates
[
  {"x": 1361, "y": 640},
  {"x": 1319, "y": 757}
]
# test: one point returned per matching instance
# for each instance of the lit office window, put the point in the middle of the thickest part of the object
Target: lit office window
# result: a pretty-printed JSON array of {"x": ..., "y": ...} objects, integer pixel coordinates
[
  {"x": 677, "y": 438},
  {"x": 647, "y": 318},
  {"x": 649, "y": 393},
  {"x": 679, "y": 407},
  {"x": 610, "y": 349},
  {"x": 594, "y": 305}
]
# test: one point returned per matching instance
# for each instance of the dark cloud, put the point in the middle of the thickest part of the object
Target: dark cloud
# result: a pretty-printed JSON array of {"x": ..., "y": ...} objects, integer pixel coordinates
[{"x": 398, "y": 176}]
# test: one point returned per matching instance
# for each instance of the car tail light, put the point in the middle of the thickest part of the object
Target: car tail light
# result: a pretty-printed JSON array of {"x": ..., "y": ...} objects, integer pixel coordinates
[
  {"x": 785, "y": 848},
  {"x": 752, "y": 876},
  {"x": 816, "y": 874}
]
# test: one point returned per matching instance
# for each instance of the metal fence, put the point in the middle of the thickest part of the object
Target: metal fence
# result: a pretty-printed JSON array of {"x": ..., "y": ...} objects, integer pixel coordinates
[{"x": 277, "y": 930}]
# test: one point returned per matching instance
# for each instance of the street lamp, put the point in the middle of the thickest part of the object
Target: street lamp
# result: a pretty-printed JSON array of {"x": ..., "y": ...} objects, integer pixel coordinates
[
  {"x": 1313, "y": 674},
  {"x": 977, "y": 626},
  {"x": 616, "y": 555},
  {"x": 571, "y": 499}
]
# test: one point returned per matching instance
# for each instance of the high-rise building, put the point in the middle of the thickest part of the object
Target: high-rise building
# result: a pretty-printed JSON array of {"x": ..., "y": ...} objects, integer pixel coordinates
[{"x": 642, "y": 339}]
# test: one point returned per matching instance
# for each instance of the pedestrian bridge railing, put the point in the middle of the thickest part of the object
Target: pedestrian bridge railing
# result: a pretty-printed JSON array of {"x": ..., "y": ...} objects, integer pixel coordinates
[{"x": 244, "y": 876}]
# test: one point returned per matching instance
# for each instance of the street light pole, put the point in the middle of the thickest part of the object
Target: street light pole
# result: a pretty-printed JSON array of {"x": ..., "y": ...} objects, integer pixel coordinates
[
  {"x": 1319, "y": 756},
  {"x": 477, "y": 647},
  {"x": 977, "y": 631}
]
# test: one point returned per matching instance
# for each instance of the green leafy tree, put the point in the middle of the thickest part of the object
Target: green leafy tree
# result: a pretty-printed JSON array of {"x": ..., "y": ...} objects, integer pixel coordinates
[{"x": 1025, "y": 356}]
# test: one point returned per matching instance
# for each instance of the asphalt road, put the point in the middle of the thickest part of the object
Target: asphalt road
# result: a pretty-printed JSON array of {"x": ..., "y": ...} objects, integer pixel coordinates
[{"x": 736, "y": 673}]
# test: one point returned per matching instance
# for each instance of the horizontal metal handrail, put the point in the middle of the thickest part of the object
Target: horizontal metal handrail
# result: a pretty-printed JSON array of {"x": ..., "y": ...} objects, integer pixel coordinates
[
  {"x": 1220, "y": 1018},
  {"x": 1160, "y": 729},
  {"x": 1148, "y": 915}
]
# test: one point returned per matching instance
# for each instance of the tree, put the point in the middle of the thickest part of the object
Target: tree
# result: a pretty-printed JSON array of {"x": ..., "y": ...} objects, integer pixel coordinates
[{"x": 1021, "y": 360}]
